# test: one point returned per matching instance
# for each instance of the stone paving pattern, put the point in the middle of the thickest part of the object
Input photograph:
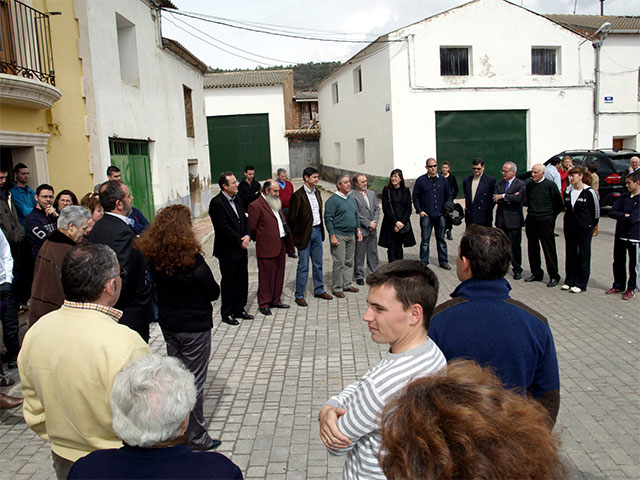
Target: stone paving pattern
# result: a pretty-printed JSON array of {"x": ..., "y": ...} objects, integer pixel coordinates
[{"x": 269, "y": 377}]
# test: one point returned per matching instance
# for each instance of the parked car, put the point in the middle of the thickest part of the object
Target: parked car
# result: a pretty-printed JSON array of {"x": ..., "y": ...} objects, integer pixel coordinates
[{"x": 611, "y": 166}]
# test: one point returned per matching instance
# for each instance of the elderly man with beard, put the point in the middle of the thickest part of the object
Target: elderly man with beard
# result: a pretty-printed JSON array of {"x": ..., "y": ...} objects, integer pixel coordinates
[{"x": 267, "y": 225}]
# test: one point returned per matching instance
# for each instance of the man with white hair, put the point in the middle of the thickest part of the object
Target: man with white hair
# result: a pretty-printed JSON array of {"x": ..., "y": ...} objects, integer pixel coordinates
[
  {"x": 46, "y": 291},
  {"x": 71, "y": 356},
  {"x": 266, "y": 224},
  {"x": 151, "y": 400},
  {"x": 545, "y": 203},
  {"x": 509, "y": 195}
]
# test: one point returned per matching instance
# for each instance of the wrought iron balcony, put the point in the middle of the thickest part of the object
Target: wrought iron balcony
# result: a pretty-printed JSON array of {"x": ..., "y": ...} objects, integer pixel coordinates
[{"x": 25, "y": 42}]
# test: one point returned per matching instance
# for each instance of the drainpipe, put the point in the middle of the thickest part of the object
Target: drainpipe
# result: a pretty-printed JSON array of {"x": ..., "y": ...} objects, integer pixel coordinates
[
  {"x": 603, "y": 31},
  {"x": 596, "y": 96}
]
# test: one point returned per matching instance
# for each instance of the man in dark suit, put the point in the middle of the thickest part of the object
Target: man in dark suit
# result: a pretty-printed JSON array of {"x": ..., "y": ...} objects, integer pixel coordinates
[
  {"x": 230, "y": 244},
  {"x": 115, "y": 230},
  {"x": 478, "y": 190},
  {"x": 509, "y": 196},
  {"x": 369, "y": 214},
  {"x": 267, "y": 230},
  {"x": 305, "y": 220}
]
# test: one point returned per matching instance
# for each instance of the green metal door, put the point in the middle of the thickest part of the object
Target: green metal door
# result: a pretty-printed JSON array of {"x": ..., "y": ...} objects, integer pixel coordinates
[
  {"x": 496, "y": 136},
  {"x": 132, "y": 158},
  {"x": 239, "y": 140}
]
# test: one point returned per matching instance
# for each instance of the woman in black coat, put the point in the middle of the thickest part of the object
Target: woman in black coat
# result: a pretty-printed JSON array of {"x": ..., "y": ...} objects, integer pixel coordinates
[
  {"x": 396, "y": 231},
  {"x": 445, "y": 171},
  {"x": 185, "y": 288}
]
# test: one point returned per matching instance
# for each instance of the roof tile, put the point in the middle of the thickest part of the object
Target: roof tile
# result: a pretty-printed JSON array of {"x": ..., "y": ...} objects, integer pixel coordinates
[{"x": 251, "y": 78}]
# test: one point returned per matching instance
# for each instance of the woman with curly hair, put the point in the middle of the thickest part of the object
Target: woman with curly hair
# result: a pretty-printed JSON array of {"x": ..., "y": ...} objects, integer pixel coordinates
[
  {"x": 91, "y": 201},
  {"x": 461, "y": 423},
  {"x": 185, "y": 288}
]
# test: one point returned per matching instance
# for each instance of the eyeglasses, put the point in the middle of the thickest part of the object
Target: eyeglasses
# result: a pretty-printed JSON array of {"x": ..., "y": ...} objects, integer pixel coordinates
[
  {"x": 476, "y": 168},
  {"x": 123, "y": 272},
  {"x": 432, "y": 166}
]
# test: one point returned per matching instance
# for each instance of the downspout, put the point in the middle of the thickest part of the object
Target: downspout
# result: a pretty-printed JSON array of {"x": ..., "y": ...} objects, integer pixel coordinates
[{"x": 596, "y": 96}]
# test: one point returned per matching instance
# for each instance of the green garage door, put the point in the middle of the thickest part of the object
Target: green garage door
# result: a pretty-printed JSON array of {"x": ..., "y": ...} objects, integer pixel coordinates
[
  {"x": 239, "y": 140},
  {"x": 497, "y": 136},
  {"x": 132, "y": 158}
]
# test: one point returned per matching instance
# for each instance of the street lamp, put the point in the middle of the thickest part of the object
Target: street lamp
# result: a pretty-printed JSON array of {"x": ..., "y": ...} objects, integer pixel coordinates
[{"x": 603, "y": 31}]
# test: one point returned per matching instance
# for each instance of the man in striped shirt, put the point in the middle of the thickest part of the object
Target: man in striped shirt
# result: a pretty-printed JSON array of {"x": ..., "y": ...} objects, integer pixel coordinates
[{"x": 402, "y": 296}]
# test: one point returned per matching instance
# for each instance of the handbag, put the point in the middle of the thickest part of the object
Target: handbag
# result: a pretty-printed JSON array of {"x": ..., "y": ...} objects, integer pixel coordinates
[{"x": 407, "y": 226}]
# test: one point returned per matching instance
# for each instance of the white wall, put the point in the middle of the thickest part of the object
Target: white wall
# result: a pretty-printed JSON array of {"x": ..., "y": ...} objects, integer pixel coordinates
[
  {"x": 153, "y": 109},
  {"x": 501, "y": 35},
  {"x": 559, "y": 107},
  {"x": 252, "y": 100},
  {"x": 619, "y": 63},
  {"x": 358, "y": 115}
]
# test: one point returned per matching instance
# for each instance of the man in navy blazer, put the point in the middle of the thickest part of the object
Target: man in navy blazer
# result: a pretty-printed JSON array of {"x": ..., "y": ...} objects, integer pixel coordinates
[
  {"x": 115, "y": 229},
  {"x": 478, "y": 195},
  {"x": 231, "y": 239},
  {"x": 509, "y": 195}
]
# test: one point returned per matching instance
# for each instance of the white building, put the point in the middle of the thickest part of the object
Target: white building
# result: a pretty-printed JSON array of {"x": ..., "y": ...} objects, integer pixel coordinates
[
  {"x": 248, "y": 113},
  {"x": 488, "y": 79},
  {"x": 145, "y": 105}
]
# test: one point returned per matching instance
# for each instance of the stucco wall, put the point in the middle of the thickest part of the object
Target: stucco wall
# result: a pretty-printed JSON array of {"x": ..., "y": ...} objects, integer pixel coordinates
[
  {"x": 619, "y": 80},
  {"x": 152, "y": 109},
  {"x": 249, "y": 100},
  {"x": 559, "y": 107},
  {"x": 68, "y": 150},
  {"x": 358, "y": 115}
]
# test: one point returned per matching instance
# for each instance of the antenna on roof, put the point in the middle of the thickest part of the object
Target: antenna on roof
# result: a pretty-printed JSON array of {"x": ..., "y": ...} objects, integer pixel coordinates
[
  {"x": 575, "y": 4},
  {"x": 601, "y": 8}
]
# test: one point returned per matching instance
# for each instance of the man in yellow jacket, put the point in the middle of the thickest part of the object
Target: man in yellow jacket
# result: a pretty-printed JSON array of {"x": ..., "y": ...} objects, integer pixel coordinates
[{"x": 71, "y": 356}]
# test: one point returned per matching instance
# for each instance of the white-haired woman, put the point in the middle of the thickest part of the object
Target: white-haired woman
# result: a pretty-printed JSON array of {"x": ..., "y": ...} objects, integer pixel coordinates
[{"x": 46, "y": 289}]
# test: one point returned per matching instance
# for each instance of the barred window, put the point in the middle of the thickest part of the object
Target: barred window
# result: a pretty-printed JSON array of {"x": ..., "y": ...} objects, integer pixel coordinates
[
  {"x": 454, "y": 61},
  {"x": 543, "y": 61}
]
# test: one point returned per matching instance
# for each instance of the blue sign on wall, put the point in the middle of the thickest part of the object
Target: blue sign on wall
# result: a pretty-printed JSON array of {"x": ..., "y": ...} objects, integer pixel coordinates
[{"x": 608, "y": 99}]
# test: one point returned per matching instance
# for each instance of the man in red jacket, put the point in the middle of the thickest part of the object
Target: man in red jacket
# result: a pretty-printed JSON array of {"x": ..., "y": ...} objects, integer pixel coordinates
[{"x": 267, "y": 223}]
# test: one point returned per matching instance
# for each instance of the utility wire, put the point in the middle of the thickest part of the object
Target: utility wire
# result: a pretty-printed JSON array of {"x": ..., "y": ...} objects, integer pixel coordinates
[
  {"x": 284, "y": 28},
  {"x": 224, "y": 43},
  {"x": 279, "y": 34},
  {"x": 220, "y": 48}
]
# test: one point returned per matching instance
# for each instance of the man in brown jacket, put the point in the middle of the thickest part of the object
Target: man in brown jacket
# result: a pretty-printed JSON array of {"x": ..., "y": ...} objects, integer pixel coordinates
[
  {"x": 267, "y": 223},
  {"x": 305, "y": 220}
]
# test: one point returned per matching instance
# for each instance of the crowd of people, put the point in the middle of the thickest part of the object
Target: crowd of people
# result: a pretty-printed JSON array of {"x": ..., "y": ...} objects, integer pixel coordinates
[{"x": 90, "y": 264}]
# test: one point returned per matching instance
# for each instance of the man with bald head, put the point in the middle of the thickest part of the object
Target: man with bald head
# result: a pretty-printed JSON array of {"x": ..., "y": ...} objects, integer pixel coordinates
[
  {"x": 545, "y": 203},
  {"x": 267, "y": 226},
  {"x": 509, "y": 196}
]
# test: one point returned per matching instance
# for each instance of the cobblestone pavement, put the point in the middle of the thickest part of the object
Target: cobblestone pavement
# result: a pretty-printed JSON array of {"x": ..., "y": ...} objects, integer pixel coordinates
[{"x": 269, "y": 377}]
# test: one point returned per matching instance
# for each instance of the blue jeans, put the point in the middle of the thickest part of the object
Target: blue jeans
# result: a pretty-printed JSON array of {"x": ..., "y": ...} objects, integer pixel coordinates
[
  {"x": 426, "y": 225},
  {"x": 313, "y": 250}
]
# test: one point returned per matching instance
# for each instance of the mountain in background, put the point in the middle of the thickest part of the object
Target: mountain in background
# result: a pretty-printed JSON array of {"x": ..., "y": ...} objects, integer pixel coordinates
[{"x": 305, "y": 75}]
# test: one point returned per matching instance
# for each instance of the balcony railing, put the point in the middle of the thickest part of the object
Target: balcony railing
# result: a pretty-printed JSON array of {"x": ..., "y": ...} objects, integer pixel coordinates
[{"x": 25, "y": 42}]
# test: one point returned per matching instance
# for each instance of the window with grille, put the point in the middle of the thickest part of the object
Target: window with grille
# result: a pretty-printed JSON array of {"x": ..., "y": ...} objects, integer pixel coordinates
[
  {"x": 543, "y": 61},
  {"x": 454, "y": 61}
]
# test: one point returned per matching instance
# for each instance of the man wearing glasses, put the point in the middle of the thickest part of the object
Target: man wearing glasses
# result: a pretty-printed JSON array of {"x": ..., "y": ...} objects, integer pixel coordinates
[
  {"x": 430, "y": 193},
  {"x": 478, "y": 195}
]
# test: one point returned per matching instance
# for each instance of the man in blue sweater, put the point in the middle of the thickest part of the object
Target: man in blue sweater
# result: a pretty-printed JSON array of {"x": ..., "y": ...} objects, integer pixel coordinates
[
  {"x": 626, "y": 212},
  {"x": 343, "y": 224},
  {"x": 484, "y": 324}
]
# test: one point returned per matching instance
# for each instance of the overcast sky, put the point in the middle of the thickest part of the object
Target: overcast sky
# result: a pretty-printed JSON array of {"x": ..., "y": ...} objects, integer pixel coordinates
[{"x": 363, "y": 19}]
